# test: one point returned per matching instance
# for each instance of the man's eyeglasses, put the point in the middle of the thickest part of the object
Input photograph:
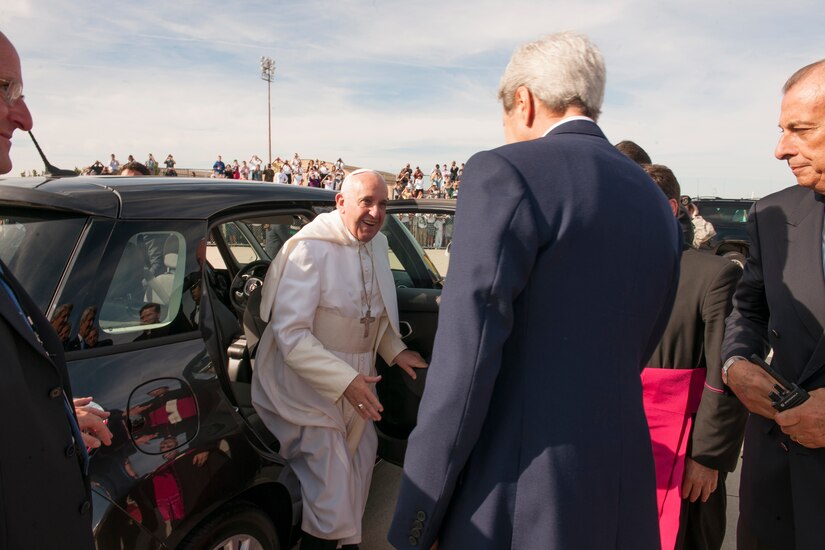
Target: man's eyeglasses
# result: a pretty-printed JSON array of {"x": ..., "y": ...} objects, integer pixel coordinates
[{"x": 11, "y": 91}]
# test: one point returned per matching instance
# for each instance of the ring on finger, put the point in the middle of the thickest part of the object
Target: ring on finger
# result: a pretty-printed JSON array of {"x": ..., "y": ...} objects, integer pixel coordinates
[{"x": 361, "y": 406}]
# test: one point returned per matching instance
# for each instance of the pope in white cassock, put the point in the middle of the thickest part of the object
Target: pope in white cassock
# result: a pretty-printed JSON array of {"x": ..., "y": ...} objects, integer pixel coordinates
[{"x": 329, "y": 299}]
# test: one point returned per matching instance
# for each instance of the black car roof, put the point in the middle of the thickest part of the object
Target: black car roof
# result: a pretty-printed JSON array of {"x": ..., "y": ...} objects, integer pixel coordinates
[
  {"x": 723, "y": 200},
  {"x": 150, "y": 197}
]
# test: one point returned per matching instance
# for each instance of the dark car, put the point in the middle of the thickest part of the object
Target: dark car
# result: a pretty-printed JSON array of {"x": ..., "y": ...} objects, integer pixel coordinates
[
  {"x": 729, "y": 217},
  {"x": 151, "y": 284}
]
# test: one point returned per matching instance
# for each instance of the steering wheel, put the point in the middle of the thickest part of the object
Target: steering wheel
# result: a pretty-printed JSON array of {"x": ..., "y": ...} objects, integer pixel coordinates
[{"x": 248, "y": 279}]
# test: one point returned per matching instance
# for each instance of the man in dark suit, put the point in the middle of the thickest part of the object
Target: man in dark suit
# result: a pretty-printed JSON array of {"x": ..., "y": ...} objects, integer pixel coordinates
[
  {"x": 44, "y": 496},
  {"x": 564, "y": 265},
  {"x": 707, "y": 431},
  {"x": 780, "y": 304}
]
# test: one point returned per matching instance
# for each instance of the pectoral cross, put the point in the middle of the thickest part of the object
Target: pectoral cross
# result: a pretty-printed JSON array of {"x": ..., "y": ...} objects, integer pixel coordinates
[{"x": 366, "y": 320}]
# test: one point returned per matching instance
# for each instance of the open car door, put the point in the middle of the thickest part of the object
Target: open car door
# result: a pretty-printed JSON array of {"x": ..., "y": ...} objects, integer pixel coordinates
[
  {"x": 239, "y": 249},
  {"x": 241, "y": 245},
  {"x": 419, "y": 234}
]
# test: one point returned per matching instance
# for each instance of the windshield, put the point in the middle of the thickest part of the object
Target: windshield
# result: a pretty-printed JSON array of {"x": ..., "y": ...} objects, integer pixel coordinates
[{"x": 36, "y": 247}]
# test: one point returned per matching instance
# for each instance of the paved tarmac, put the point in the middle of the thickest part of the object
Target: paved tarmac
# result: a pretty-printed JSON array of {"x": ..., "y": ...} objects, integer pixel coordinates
[{"x": 384, "y": 492}]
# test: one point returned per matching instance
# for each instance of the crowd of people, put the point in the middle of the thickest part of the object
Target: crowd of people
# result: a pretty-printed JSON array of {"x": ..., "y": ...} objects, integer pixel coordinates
[
  {"x": 593, "y": 376},
  {"x": 148, "y": 168},
  {"x": 294, "y": 171},
  {"x": 442, "y": 183}
]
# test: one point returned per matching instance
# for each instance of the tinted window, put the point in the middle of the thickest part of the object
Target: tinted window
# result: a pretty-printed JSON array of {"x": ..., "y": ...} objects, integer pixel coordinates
[
  {"x": 131, "y": 282},
  {"x": 724, "y": 213},
  {"x": 146, "y": 292},
  {"x": 36, "y": 246}
]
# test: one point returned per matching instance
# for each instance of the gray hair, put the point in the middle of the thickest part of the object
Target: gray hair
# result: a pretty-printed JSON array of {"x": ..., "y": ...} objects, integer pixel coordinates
[
  {"x": 801, "y": 74},
  {"x": 562, "y": 70}
]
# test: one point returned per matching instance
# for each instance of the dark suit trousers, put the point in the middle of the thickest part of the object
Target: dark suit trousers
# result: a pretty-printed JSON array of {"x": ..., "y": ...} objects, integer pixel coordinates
[
  {"x": 702, "y": 524},
  {"x": 747, "y": 540}
]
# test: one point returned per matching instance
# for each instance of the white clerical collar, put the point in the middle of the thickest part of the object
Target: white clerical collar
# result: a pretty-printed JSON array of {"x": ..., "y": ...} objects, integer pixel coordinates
[
  {"x": 568, "y": 119},
  {"x": 353, "y": 240}
]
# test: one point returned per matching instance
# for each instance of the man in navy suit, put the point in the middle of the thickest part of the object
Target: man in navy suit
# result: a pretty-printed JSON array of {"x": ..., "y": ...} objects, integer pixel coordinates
[
  {"x": 780, "y": 305},
  {"x": 565, "y": 262},
  {"x": 45, "y": 500}
]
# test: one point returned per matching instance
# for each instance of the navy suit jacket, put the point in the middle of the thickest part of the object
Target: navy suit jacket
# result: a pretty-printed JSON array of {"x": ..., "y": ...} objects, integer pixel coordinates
[
  {"x": 531, "y": 431},
  {"x": 44, "y": 498},
  {"x": 780, "y": 304}
]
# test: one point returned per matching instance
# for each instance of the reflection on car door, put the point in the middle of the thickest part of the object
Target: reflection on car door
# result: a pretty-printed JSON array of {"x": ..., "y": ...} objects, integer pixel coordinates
[{"x": 152, "y": 374}]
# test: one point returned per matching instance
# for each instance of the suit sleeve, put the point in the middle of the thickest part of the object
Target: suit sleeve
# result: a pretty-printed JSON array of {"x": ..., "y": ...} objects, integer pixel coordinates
[
  {"x": 720, "y": 420},
  {"x": 494, "y": 249},
  {"x": 746, "y": 329}
]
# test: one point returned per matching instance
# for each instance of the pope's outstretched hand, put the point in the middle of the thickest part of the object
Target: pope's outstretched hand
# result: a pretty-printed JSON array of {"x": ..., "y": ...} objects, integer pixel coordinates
[
  {"x": 360, "y": 393},
  {"x": 409, "y": 361}
]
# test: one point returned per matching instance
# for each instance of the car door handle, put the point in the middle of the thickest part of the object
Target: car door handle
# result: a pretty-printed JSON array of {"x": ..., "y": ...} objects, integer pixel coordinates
[{"x": 405, "y": 329}]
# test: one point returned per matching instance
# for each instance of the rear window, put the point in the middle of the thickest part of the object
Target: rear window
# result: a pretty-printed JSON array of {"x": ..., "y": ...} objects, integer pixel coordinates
[
  {"x": 725, "y": 213},
  {"x": 36, "y": 247}
]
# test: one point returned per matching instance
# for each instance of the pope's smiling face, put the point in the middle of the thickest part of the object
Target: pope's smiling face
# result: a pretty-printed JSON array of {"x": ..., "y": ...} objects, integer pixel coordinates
[{"x": 362, "y": 204}]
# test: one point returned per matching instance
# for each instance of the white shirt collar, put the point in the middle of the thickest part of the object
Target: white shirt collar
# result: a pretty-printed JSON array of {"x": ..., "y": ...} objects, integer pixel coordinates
[{"x": 568, "y": 119}]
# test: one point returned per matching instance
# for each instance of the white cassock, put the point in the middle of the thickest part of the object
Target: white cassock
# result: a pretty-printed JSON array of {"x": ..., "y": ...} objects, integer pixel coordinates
[{"x": 315, "y": 345}]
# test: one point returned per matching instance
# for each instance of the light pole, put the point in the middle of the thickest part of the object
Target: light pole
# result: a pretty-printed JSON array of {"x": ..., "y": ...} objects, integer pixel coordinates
[{"x": 268, "y": 74}]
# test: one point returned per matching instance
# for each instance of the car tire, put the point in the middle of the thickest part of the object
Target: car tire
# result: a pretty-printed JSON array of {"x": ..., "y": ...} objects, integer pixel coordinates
[
  {"x": 237, "y": 525},
  {"x": 736, "y": 257}
]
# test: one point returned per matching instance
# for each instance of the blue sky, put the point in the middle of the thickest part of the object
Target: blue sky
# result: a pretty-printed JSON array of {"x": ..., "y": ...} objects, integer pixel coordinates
[{"x": 384, "y": 83}]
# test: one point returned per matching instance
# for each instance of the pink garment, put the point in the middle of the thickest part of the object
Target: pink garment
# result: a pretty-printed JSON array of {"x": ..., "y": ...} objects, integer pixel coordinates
[
  {"x": 187, "y": 407},
  {"x": 671, "y": 398},
  {"x": 158, "y": 417},
  {"x": 167, "y": 496}
]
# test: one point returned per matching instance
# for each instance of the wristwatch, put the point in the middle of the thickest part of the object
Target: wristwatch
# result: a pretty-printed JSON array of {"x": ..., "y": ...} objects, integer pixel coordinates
[{"x": 727, "y": 365}]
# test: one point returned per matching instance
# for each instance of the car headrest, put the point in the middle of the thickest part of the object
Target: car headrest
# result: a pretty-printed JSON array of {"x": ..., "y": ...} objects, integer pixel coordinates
[
  {"x": 171, "y": 260},
  {"x": 253, "y": 325}
]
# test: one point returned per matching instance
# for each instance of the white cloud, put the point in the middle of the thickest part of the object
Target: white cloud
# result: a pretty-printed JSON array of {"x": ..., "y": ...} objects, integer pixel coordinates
[{"x": 385, "y": 83}]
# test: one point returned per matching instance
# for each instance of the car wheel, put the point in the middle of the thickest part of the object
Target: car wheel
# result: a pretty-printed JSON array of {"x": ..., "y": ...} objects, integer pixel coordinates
[
  {"x": 736, "y": 257},
  {"x": 237, "y": 526}
]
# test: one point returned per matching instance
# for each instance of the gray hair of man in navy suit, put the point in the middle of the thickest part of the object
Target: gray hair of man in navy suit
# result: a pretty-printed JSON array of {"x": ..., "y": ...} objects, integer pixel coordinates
[{"x": 562, "y": 70}]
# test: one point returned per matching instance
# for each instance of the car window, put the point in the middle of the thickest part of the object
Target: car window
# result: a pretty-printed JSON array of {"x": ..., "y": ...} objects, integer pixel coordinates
[
  {"x": 145, "y": 296},
  {"x": 131, "y": 282},
  {"x": 241, "y": 243},
  {"x": 252, "y": 239},
  {"x": 724, "y": 213},
  {"x": 36, "y": 246},
  {"x": 419, "y": 253}
]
